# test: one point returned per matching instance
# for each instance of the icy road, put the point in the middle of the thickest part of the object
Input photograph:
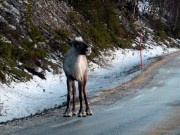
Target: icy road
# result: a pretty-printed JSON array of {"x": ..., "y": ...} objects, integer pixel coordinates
[{"x": 149, "y": 105}]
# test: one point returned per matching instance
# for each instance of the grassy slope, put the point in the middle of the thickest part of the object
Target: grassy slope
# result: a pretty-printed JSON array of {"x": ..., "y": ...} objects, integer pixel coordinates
[{"x": 35, "y": 42}]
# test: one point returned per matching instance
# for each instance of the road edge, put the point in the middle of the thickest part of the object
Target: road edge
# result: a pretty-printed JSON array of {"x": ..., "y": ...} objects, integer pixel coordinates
[{"x": 141, "y": 79}]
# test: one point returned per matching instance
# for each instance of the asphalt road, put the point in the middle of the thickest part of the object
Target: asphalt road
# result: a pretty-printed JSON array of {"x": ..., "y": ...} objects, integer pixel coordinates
[{"x": 152, "y": 108}]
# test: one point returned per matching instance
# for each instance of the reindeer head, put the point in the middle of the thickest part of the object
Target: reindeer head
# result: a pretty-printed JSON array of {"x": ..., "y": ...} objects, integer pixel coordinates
[{"x": 81, "y": 47}]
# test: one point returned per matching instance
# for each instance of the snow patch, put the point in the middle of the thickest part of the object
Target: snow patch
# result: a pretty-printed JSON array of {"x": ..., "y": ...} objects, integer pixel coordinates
[
  {"x": 11, "y": 8},
  {"x": 134, "y": 45},
  {"x": 78, "y": 38},
  {"x": 5, "y": 40},
  {"x": 3, "y": 20},
  {"x": 144, "y": 6}
]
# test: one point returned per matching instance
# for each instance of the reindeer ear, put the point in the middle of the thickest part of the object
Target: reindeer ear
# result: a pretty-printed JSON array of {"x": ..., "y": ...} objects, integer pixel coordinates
[{"x": 68, "y": 40}]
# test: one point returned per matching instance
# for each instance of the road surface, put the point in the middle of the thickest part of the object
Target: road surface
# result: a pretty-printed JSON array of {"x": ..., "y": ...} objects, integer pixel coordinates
[{"x": 147, "y": 105}]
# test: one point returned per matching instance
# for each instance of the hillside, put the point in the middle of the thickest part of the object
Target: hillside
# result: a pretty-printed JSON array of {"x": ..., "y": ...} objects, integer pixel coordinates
[{"x": 33, "y": 33}]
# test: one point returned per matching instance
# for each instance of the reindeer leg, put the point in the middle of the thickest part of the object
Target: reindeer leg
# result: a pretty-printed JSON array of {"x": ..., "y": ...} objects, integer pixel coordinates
[
  {"x": 74, "y": 112},
  {"x": 68, "y": 112},
  {"x": 88, "y": 110},
  {"x": 81, "y": 111}
]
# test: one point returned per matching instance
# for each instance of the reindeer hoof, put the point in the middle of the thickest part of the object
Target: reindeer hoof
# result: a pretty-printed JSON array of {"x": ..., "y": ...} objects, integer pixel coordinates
[
  {"x": 82, "y": 114},
  {"x": 74, "y": 112},
  {"x": 89, "y": 112},
  {"x": 67, "y": 114}
]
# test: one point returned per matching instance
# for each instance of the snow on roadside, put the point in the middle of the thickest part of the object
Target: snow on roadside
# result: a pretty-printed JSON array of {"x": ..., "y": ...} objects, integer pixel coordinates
[{"x": 23, "y": 99}]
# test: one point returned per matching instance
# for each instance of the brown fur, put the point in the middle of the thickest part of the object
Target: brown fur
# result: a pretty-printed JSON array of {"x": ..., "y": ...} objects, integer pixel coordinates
[{"x": 75, "y": 67}]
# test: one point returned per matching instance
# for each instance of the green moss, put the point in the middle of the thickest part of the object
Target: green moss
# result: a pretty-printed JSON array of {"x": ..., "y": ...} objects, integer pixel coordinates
[
  {"x": 176, "y": 32},
  {"x": 27, "y": 50},
  {"x": 160, "y": 31},
  {"x": 103, "y": 27},
  {"x": 98, "y": 24},
  {"x": 2, "y": 77},
  {"x": 161, "y": 34},
  {"x": 63, "y": 48},
  {"x": 63, "y": 33},
  {"x": 58, "y": 42},
  {"x": 125, "y": 43},
  {"x": 5, "y": 50},
  {"x": 8, "y": 63},
  {"x": 72, "y": 18},
  {"x": 100, "y": 37},
  {"x": 20, "y": 74}
]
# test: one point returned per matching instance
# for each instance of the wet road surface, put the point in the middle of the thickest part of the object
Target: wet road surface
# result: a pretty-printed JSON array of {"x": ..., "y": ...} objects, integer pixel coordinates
[{"x": 151, "y": 108}]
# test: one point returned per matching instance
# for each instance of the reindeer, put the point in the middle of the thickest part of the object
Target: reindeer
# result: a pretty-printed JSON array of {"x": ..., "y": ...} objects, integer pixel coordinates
[{"x": 75, "y": 67}]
